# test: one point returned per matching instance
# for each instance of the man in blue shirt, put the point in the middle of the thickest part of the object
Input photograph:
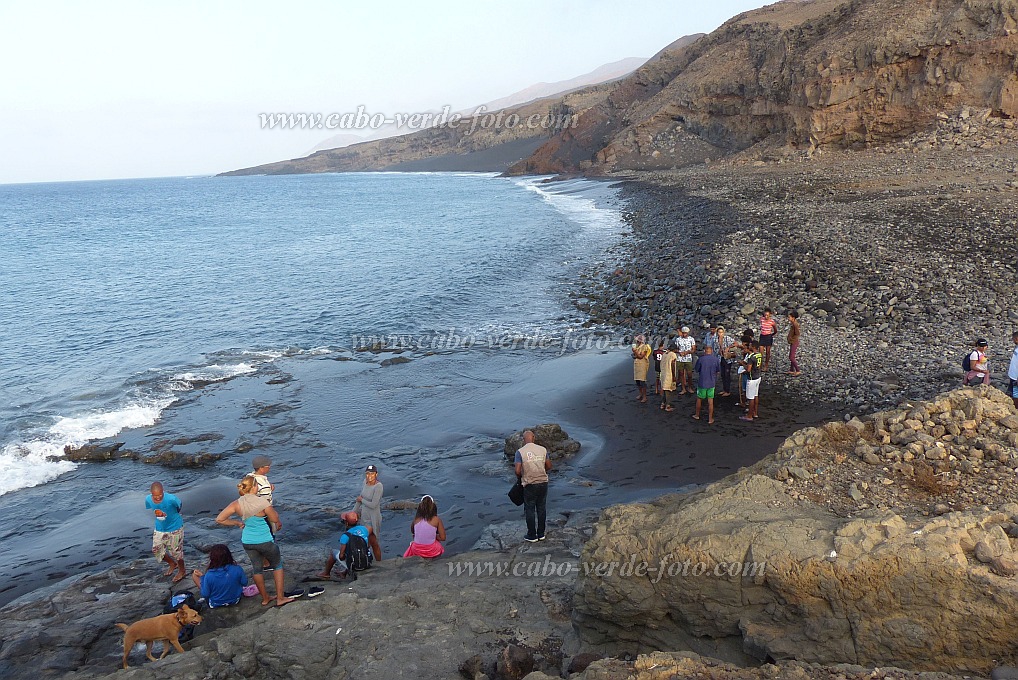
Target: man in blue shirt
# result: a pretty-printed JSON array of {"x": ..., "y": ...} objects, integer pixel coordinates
[
  {"x": 338, "y": 558},
  {"x": 707, "y": 367},
  {"x": 168, "y": 537}
]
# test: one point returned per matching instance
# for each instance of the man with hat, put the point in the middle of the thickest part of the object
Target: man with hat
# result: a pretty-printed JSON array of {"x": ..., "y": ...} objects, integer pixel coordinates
[
  {"x": 685, "y": 350},
  {"x": 977, "y": 363},
  {"x": 261, "y": 465}
]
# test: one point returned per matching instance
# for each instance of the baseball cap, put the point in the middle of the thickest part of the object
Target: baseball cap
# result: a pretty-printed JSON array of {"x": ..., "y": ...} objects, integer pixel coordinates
[
  {"x": 981, "y": 342},
  {"x": 261, "y": 461},
  {"x": 372, "y": 468},
  {"x": 685, "y": 329}
]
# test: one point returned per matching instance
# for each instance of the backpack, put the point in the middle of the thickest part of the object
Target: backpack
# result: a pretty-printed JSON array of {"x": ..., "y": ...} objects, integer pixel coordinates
[
  {"x": 357, "y": 557},
  {"x": 966, "y": 363},
  {"x": 175, "y": 602}
]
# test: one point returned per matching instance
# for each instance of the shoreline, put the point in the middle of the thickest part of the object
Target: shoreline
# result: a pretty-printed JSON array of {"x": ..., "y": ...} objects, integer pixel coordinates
[{"x": 882, "y": 252}]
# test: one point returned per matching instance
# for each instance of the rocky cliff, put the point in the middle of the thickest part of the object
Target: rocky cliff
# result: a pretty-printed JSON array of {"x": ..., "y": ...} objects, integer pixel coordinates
[
  {"x": 862, "y": 543},
  {"x": 814, "y": 74},
  {"x": 810, "y": 74}
]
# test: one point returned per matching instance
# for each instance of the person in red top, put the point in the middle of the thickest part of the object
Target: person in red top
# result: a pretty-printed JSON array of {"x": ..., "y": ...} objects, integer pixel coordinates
[{"x": 768, "y": 329}]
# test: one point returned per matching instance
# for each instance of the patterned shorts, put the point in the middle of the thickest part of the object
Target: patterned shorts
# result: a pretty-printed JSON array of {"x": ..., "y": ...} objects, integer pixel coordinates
[{"x": 168, "y": 543}]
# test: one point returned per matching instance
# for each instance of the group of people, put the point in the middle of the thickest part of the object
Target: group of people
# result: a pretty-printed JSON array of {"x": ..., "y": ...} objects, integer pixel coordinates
[
  {"x": 675, "y": 363},
  {"x": 223, "y": 583}
]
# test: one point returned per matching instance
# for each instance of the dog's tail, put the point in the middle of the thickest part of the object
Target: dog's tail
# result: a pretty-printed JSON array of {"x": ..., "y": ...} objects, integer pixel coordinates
[{"x": 121, "y": 626}]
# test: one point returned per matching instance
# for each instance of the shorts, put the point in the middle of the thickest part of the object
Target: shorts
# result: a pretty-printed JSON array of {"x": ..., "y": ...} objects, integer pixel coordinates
[
  {"x": 767, "y": 340},
  {"x": 258, "y": 552},
  {"x": 705, "y": 392},
  {"x": 340, "y": 564},
  {"x": 753, "y": 389},
  {"x": 1013, "y": 389},
  {"x": 686, "y": 366},
  {"x": 168, "y": 543},
  {"x": 641, "y": 383}
]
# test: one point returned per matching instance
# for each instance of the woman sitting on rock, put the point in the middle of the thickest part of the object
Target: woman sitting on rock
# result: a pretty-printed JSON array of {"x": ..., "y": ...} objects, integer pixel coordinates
[
  {"x": 223, "y": 584},
  {"x": 427, "y": 530}
]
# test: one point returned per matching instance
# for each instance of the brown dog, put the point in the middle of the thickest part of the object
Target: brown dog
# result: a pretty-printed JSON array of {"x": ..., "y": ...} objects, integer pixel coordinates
[{"x": 166, "y": 627}]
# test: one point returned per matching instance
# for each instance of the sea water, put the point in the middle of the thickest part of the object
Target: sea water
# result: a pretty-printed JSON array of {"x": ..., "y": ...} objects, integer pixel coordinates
[{"x": 250, "y": 309}]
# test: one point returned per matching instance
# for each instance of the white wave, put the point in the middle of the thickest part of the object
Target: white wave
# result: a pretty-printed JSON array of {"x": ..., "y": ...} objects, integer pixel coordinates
[
  {"x": 80, "y": 429},
  {"x": 215, "y": 372},
  {"x": 37, "y": 461},
  {"x": 267, "y": 355},
  {"x": 30, "y": 464},
  {"x": 573, "y": 200}
]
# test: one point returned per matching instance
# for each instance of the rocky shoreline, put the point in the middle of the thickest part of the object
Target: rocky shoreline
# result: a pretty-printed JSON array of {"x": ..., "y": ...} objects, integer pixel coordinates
[{"x": 897, "y": 258}]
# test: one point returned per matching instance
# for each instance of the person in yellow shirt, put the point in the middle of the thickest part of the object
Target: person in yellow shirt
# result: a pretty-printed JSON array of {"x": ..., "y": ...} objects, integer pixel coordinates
[{"x": 641, "y": 364}]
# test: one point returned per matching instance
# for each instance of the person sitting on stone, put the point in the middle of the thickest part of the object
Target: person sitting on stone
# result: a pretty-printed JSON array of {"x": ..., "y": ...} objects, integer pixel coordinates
[
  {"x": 339, "y": 558},
  {"x": 427, "y": 530}
]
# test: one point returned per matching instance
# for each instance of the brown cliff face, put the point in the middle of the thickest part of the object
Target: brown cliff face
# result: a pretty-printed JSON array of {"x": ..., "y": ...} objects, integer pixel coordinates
[{"x": 814, "y": 74}]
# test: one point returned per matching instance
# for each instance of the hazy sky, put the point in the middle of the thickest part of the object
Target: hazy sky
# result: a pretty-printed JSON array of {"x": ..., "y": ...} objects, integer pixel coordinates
[{"x": 94, "y": 90}]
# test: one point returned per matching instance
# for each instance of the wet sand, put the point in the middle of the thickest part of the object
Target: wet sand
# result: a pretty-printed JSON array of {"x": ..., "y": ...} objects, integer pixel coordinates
[{"x": 435, "y": 425}]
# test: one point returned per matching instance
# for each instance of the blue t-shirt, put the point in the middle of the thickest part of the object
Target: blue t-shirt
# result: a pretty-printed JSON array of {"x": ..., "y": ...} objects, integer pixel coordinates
[
  {"x": 224, "y": 585},
  {"x": 708, "y": 367},
  {"x": 357, "y": 530},
  {"x": 171, "y": 506}
]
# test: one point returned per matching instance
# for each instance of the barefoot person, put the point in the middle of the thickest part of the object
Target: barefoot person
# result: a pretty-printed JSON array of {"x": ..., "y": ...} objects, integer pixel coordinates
[
  {"x": 341, "y": 558},
  {"x": 168, "y": 537},
  {"x": 768, "y": 329},
  {"x": 669, "y": 371},
  {"x": 369, "y": 503},
  {"x": 255, "y": 514},
  {"x": 707, "y": 368},
  {"x": 641, "y": 364},
  {"x": 794, "y": 333},
  {"x": 427, "y": 530},
  {"x": 222, "y": 585}
]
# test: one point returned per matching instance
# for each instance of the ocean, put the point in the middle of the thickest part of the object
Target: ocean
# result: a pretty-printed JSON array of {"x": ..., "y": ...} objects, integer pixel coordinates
[{"x": 247, "y": 315}]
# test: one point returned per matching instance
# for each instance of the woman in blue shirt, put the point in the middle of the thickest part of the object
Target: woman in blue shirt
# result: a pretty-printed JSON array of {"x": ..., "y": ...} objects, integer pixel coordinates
[{"x": 223, "y": 583}]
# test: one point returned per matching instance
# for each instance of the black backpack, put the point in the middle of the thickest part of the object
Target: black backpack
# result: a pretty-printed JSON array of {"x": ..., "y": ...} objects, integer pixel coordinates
[
  {"x": 357, "y": 556},
  {"x": 177, "y": 601},
  {"x": 966, "y": 363}
]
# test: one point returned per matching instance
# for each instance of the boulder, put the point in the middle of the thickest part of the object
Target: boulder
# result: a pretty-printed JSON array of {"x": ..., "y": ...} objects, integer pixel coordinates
[
  {"x": 550, "y": 435},
  {"x": 742, "y": 566}
]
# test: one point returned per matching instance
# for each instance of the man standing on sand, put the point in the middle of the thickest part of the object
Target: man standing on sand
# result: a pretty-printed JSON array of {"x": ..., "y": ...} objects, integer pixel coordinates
[
  {"x": 685, "y": 349},
  {"x": 532, "y": 465},
  {"x": 1012, "y": 371},
  {"x": 707, "y": 367},
  {"x": 168, "y": 537}
]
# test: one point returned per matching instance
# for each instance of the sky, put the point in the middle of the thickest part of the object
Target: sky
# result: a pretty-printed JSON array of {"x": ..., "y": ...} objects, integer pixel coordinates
[{"x": 111, "y": 90}]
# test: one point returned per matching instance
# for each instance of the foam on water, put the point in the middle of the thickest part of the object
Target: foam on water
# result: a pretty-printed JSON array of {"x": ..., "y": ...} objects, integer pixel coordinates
[
  {"x": 36, "y": 461},
  {"x": 216, "y": 373}
]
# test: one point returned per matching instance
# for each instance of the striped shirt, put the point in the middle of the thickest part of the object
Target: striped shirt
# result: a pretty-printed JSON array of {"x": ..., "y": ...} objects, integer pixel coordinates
[{"x": 768, "y": 326}]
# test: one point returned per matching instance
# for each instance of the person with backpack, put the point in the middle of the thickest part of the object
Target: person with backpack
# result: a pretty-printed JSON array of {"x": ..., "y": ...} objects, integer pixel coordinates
[
  {"x": 974, "y": 363},
  {"x": 353, "y": 554}
]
